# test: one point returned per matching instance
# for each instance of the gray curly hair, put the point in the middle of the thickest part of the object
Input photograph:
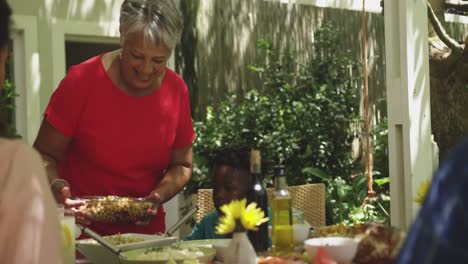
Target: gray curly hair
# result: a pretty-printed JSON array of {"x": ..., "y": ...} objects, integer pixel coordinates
[{"x": 159, "y": 20}]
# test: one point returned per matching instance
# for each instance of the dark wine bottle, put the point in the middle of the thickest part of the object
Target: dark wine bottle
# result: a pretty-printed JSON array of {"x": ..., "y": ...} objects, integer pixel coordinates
[{"x": 257, "y": 193}]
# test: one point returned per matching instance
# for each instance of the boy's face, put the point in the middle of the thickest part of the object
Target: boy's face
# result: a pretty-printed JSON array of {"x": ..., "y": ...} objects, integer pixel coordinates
[{"x": 229, "y": 184}]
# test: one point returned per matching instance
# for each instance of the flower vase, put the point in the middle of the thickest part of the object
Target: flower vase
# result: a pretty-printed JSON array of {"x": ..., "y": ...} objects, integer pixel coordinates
[{"x": 240, "y": 250}]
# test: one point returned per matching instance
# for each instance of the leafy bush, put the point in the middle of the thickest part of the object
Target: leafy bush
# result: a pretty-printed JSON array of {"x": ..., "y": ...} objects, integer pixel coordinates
[
  {"x": 7, "y": 102},
  {"x": 7, "y": 107},
  {"x": 345, "y": 196},
  {"x": 301, "y": 120}
]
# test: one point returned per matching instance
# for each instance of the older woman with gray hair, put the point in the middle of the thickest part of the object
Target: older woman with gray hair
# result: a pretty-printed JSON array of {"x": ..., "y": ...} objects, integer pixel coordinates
[{"x": 120, "y": 123}]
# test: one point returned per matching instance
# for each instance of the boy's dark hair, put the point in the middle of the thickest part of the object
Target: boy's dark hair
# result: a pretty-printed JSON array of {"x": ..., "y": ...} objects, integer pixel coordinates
[
  {"x": 233, "y": 156},
  {"x": 5, "y": 14}
]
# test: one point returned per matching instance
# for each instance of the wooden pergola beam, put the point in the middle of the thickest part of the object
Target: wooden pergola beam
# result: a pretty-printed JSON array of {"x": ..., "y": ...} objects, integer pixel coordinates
[{"x": 459, "y": 5}]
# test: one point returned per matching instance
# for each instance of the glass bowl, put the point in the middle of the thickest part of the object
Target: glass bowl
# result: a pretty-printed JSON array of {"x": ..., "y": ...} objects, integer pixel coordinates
[{"x": 116, "y": 209}]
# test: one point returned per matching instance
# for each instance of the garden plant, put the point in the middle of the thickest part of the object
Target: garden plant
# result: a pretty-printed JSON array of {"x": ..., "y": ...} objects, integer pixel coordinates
[{"x": 301, "y": 118}]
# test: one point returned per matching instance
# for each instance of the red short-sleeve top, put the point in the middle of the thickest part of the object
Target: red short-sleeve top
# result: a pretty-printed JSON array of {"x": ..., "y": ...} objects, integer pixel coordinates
[{"x": 121, "y": 145}]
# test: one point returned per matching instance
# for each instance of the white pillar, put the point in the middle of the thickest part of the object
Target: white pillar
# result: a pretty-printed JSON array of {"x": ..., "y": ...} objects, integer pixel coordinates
[
  {"x": 26, "y": 76},
  {"x": 408, "y": 100}
]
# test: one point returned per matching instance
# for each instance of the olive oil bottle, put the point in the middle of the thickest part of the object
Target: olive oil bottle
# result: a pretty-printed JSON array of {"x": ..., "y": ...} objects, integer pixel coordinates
[
  {"x": 281, "y": 207},
  {"x": 257, "y": 193}
]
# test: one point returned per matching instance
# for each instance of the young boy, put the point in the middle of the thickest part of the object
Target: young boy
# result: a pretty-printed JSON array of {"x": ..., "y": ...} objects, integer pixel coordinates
[{"x": 231, "y": 179}]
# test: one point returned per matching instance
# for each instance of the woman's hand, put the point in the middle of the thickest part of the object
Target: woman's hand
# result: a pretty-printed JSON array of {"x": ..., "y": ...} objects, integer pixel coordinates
[
  {"x": 156, "y": 200},
  {"x": 82, "y": 218},
  {"x": 61, "y": 190},
  {"x": 153, "y": 210}
]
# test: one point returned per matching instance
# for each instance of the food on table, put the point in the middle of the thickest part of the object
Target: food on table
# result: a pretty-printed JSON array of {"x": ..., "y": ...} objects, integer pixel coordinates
[
  {"x": 334, "y": 230},
  {"x": 119, "y": 239},
  {"x": 379, "y": 244},
  {"x": 175, "y": 252},
  {"x": 292, "y": 258},
  {"x": 115, "y": 209},
  {"x": 272, "y": 260}
]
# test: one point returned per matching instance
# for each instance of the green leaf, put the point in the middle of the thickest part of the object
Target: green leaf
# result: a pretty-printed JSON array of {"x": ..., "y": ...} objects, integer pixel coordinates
[
  {"x": 317, "y": 173},
  {"x": 382, "y": 181}
]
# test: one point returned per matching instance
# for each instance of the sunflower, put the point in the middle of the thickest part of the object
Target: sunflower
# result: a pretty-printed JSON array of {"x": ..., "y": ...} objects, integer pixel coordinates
[{"x": 238, "y": 218}]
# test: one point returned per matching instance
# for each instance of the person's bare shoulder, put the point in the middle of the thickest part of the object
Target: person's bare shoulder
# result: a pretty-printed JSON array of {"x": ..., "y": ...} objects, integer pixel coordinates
[
  {"x": 15, "y": 148},
  {"x": 18, "y": 153}
]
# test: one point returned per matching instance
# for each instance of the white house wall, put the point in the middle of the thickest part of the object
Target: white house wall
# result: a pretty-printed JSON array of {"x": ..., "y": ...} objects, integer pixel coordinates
[
  {"x": 47, "y": 24},
  {"x": 26, "y": 70}
]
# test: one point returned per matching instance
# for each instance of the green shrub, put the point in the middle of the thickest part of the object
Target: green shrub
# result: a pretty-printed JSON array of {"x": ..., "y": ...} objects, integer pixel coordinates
[
  {"x": 7, "y": 102},
  {"x": 7, "y": 107},
  {"x": 301, "y": 120},
  {"x": 345, "y": 195}
]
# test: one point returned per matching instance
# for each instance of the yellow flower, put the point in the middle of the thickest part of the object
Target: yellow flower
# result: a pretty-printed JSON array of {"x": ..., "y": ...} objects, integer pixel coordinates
[
  {"x": 422, "y": 191},
  {"x": 226, "y": 225},
  {"x": 253, "y": 217},
  {"x": 235, "y": 208},
  {"x": 237, "y": 217}
]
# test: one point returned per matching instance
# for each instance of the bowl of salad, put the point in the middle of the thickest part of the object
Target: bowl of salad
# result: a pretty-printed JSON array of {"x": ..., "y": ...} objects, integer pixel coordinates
[
  {"x": 97, "y": 253},
  {"x": 177, "y": 253}
]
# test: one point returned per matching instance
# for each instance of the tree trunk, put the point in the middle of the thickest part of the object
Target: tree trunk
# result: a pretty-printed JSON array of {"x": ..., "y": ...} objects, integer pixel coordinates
[
  {"x": 449, "y": 89},
  {"x": 449, "y": 115}
]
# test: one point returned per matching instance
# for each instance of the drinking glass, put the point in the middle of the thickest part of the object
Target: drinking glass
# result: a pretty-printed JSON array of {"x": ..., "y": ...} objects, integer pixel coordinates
[{"x": 67, "y": 244}]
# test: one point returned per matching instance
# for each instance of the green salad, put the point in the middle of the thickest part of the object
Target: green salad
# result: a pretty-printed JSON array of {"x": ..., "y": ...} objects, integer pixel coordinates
[{"x": 176, "y": 252}]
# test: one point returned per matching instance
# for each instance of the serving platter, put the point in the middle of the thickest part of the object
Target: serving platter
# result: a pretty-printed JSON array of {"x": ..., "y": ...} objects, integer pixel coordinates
[
  {"x": 96, "y": 253},
  {"x": 176, "y": 253}
]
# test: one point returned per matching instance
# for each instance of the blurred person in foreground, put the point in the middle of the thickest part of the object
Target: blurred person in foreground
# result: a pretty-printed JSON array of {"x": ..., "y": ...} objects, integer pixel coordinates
[
  {"x": 439, "y": 233},
  {"x": 29, "y": 226},
  {"x": 120, "y": 122}
]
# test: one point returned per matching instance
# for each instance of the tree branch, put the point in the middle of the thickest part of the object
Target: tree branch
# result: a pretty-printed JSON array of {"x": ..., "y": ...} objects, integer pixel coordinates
[{"x": 440, "y": 31}]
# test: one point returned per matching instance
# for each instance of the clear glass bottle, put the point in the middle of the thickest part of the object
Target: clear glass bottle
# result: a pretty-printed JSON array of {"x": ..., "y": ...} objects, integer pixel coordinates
[
  {"x": 281, "y": 207},
  {"x": 257, "y": 193}
]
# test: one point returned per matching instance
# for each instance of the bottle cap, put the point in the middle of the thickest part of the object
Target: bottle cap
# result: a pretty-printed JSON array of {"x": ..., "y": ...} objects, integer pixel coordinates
[
  {"x": 255, "y": 156},
  {"x": 255, "y": 160}
]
